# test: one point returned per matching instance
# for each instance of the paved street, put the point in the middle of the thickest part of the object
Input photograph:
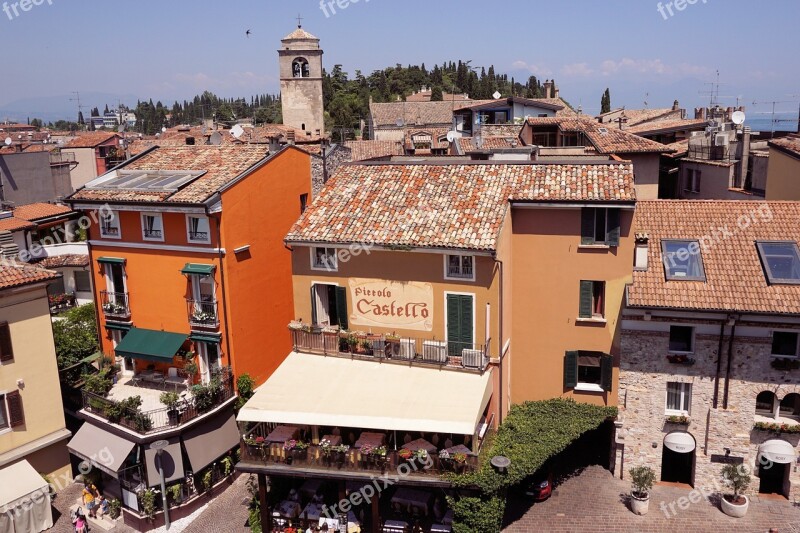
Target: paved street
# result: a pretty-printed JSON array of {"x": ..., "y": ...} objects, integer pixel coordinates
[{"x": 594, "y": 501}]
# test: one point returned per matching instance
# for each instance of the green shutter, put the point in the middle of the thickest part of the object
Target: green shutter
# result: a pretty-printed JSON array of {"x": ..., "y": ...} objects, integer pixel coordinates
[
  {"x": 466, "y": 321},
  {"x": 606, "y": 372},
  {"x": 585, "y": 301},
  {"x": 313, "y": 304},
  {"x": 570, "y": 370},
  {"x": 612, "y": 227},
  {"x": 587, "y": 225},
  {"x": 453, "y": 318},
  {"x": 341, "y": 306}
]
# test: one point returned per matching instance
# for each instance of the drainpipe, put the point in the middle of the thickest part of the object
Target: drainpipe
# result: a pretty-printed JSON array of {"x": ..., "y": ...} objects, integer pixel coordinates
[
  {"x": 500, "y": 342},
  {"x": 719, "y": 363},
  {"x": 224, "y": 292},
  {"x": 730, "y": 361}
]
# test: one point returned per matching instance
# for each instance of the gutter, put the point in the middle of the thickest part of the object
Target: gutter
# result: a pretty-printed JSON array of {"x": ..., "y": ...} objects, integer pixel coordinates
[
  {"x": 500, "y": 341},
  {"x": 719, "y": 364},
  {"x": 730, "y": 363}
]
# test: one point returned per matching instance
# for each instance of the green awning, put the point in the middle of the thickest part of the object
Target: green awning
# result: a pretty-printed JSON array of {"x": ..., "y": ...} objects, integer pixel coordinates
[
  {"x": 197, "y": 268},
  {"x": 205, "y": 337},
  {"x": 119, "y": 327},
  {"x": 111, "y": 260},
  {"x": 92, "y": 358},
  {"x": 149, "y": 344}
]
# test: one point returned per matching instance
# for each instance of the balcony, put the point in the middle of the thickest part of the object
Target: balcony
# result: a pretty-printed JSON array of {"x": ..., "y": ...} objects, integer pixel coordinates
[
  {"x": 198, "y": 236},
  {"x": 115, "y": 305},
  {"x": 202, "y": 314},
  {"x": 153, "y": 234},
  {"x": 389, "y": 348},
  {"x": 140, "y": 409}
]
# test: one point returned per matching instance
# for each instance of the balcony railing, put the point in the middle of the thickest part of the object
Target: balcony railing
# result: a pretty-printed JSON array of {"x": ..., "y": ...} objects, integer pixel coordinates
[
  {"x": 202, "y": 314},
  {"x": 152, "y": 233},
  {"x": 146, "y": 422},
  {"x": 308, "y": 339},
  {"x": 352, "y": 460},
  {"x": 201, "y": 236},
  {"x": 115, "y": 304}
]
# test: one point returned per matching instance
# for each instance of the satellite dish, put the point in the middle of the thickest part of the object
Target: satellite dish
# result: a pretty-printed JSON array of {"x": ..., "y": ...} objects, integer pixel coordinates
[
  {"x": 451, "y": 136},
  {"x": 738, "y": 117},
  {"x": 237, "y": 131},
  {"x": 497, "y": 95},
  {"x": 8, "y": 141},
  {"x": 399, "y": 122},
  {"x": 216, "y": 138}
]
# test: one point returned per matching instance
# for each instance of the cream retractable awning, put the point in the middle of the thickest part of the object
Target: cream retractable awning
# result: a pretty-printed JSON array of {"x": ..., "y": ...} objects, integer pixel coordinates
[
  {"x": 102, "y": 449},
  {"x": 778, "y": 451},
  {"x": 370, "y": 395},
  {"x": 679, "y": 441},
  {"x": 24, "y": 499}
]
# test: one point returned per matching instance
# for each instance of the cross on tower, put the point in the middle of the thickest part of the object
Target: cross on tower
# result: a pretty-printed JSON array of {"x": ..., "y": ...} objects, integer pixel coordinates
[{"x": 299, "y": 19}]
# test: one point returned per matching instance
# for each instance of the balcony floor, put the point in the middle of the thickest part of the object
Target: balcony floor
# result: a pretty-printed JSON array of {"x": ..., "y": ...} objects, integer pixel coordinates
[{"x": 150, "y": 394}]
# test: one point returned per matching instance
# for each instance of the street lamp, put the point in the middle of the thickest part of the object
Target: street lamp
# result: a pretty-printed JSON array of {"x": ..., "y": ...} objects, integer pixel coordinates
[{"x": 159, "y": 446}]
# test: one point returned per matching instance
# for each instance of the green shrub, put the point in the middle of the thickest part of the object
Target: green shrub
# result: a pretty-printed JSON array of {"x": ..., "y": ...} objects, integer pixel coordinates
[
  {"x": 114, "y": 508},
  {"x": 98, "y": 383},
  {"x": 737, "y": 478},
  {"x": 642, "y": 479}
]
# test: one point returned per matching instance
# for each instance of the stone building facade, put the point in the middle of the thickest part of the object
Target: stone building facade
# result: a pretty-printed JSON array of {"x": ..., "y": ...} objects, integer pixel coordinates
[
  {"x": 300, "y": 61},
  {"x": 722, "y": 429}
]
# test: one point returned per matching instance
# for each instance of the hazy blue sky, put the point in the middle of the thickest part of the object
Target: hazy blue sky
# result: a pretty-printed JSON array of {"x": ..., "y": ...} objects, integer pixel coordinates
[{"x": 174, "y": 49}]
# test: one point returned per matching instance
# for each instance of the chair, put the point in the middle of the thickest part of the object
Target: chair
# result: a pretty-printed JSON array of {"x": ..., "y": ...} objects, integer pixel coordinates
[
  {"x": 173, "y": 378},
  {"x": 159, "y": 379}
]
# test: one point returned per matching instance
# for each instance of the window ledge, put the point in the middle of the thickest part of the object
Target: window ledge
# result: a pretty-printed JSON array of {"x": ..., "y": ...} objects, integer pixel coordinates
[
  {"x": 588, "y": 387},
  {"x": 674, "y": 352},
  {"x": 776, "y": 356},
  {"x": 592, "y": 320},
  {"x": 594, "y": 247}
]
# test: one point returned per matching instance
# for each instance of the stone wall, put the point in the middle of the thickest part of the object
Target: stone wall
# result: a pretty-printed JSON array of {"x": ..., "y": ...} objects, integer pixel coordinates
[
  {"x": 336, "y": 155},
  {"x": 645, "y": 372}
]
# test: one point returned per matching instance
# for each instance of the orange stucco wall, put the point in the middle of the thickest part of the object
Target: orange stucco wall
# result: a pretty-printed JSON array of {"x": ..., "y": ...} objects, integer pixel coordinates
[
  {"x": 547, "y": 266},
  {"x": 259, "y": 211}
]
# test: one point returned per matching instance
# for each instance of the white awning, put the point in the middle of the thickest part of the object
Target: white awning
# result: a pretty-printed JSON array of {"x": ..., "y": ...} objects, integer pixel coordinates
[
  {"x": 332, "y": 391},
  {"x": 778, "y": 451},
  {"x": 24, "y": 499},
  {"x": 679, "y": 441}
]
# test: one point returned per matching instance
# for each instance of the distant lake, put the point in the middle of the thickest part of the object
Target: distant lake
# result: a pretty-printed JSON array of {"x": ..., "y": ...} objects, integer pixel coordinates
[{"x": 783, "y": 122}]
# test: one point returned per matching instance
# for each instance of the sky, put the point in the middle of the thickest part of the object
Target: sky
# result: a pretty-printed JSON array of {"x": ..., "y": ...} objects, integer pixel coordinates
[{"x": 642, "y": 50}]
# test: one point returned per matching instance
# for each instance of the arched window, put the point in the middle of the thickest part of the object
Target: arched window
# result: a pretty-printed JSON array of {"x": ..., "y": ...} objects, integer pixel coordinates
[
  {"x": 300, "y": 68},
  {"x": 790, "y": 405},
  {"x": 765, "y": 403}
]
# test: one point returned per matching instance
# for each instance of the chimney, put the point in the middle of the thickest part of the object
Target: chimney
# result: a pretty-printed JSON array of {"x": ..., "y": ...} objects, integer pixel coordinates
[
  {"x": 274, "y": 145},
  {"x": 189, "y": 141},
  {"x": 555, "y": 90},
  {"x": 290, "y": 136},
  {"x": 640, "y": 251},
  {"x": 548, "y": 85},
  {"x": 675, "y": 105},
  {"x": 700, "y": 112}
]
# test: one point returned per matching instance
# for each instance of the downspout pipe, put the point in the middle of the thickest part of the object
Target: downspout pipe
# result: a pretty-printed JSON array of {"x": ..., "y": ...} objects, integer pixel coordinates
[
  {"x": 719, "y": 363},
  {"x": 218, "y": 222},
  {"x": 730, "y": 363},
  {"x": 500, "y": 342}
]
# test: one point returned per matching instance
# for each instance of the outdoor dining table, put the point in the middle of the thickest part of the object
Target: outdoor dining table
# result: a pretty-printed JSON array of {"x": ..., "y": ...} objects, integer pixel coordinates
[
  {"x": 458, "y": 448},
  {"x": 420, "y": 444},
  {"x": 408, "y": 498},
  {"x": 373, "y": 439},
  {"x": 312, "y": 511},
  {"x": 289, "y": 509},
  {"x": 282, "y": 434},
  {"x": 334, "y": 440}
]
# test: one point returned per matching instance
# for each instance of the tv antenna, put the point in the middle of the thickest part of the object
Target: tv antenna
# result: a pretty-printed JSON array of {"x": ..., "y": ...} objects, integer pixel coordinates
[
  {"x": 773, "y": 103},
  {"x": 713, "y": 91},
  {"x": 78, "y": 99}
]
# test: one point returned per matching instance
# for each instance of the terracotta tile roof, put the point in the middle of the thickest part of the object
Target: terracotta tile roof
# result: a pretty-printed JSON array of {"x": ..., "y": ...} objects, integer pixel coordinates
[
  {"x": 790, "y": 145},
  {"x": 221, "y": 165},
  {"x": 15, "y": 224},
  {"x": 362, "y": 150},
  {"x": 656, "y": 126},
  {"x": 17, "y": 274},
  {"x": 455, "y": 206},
  {"x": 494, "y": 142},
  {"x": 638, "y": 116},
  {"x": 554, "y": 104},
  {"x": 425, "y": 96},
  {"x": 605, "y": 138},
  {"x": 681, "y": 148},
  {"x": 416, "y": 113},
  {"x": 501, "y": 130},
  {"x": 37, "y": 211},
  {"x": 735, "y": 279},
  {"x": 299, "y": 33},
  {"x": 67, "y": 260},
  {"x": 90, "y": 139}
]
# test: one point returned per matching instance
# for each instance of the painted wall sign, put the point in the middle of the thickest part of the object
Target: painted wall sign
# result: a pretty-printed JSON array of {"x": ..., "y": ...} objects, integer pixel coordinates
[{"x": 391, "y": 304}]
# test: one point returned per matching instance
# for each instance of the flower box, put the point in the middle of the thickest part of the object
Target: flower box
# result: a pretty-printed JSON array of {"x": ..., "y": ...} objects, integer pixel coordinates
[
  {"x": 680, "y": 359},
  {"x": 678, "y": 419},
  {"x": 777, "y": 428},
  {"x": 785, "y": 363}
]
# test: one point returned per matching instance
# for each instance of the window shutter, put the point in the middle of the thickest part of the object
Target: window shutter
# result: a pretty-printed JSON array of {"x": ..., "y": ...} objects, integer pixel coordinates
[
  {"x": 466, "y": 321},
  {"x": 453, "y": 319},
  {"x": 341, "y": 306},
  {"x": 16, "y": 416},
  {"x": 606, "y": 372},
  {"x": 585, "y": 303},
  {"x": 612, "y": 235},
  {"x": 313, "y": 304},
  {"x": 587, "y": 225},
  {"x": 570, "y": 370},
  {"x": 6, "y": 349}
]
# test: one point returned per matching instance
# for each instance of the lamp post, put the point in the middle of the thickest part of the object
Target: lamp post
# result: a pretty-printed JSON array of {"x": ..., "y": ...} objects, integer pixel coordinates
[{"x": 159, "y": 446}]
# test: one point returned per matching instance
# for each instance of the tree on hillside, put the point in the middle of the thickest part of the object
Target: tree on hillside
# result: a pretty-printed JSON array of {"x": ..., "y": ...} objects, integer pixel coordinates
[
  {"x": 605, "y": 102},
  {"x": 436, "y": 94}
]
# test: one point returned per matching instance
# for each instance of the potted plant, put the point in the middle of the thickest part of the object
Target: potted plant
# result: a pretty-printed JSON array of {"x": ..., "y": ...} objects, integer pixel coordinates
[
  {"x": 227, "y": 467},
  {"x": 460, "y": 462},
  {"x": 330, "y": 338},
  {"x": 208, "y": 480},
  {"x": 392, "y": 344},
  {"x": 114, "y": 508},
  {"x": 190, "y": 367},
  {"x": 340, "y": 454},
  {"x": 295, "y": 449},
  {"x": 175, "y": 493},
  {"x": 642, "y": 479},
  {"x": 737, "y": 478},
  {"x": 404, "y": 455},
  {"x": 171, "y": 400}
]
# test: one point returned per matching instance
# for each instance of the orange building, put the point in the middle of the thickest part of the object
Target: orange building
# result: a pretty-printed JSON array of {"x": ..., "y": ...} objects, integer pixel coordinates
[{"x": 193, "y": 285}]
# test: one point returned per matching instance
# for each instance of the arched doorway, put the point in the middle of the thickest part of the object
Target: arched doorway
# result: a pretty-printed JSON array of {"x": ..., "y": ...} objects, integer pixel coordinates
[{"x": 677, "y": 459}]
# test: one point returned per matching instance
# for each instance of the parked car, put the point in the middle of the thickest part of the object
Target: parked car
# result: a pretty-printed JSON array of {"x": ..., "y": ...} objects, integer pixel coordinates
[{"x": 539, "y": 487}]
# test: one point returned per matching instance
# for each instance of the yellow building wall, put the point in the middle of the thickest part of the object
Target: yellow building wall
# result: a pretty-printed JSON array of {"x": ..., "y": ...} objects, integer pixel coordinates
[
  {"x": 28, "y": 316},
  {"x": 783, "y": 177},
  {"x": 547, "y": 267}
]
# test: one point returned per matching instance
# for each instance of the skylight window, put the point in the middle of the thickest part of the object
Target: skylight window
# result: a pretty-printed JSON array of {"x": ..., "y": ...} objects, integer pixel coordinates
[
  {"x": 682, "y": 260},
  {"x": 781, "y": 261}
]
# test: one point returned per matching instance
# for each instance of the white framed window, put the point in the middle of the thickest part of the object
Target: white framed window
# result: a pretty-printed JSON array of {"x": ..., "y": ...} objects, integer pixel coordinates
[
  {"x": 785, "y": 343},
  {"x": 323, "y": 258},
  {"x": 460, "y": 267},
  {"x": 681, "y": 339},
  {"x": 198, "y": 229},
  {"x": 109, "y": 225},
  {"x": 152, "y": 227},
  {"x": 679, "y": 398}
]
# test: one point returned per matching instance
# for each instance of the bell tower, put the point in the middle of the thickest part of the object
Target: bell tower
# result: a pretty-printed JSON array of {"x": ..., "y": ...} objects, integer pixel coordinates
[{"x": 300, "y": 59}]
